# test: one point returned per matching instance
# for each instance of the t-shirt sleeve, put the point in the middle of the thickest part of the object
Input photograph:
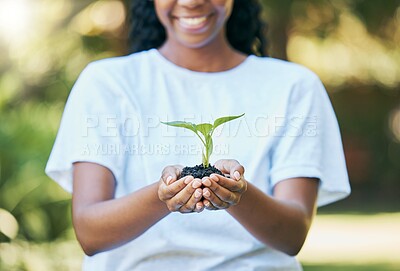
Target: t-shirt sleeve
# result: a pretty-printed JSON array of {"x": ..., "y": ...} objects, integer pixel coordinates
[
  {"x": 309, "y": 144},
  {"x": 89, "y": 131}
]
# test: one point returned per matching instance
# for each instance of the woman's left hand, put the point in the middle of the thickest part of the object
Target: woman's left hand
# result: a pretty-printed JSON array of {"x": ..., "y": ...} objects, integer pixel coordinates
[{"x": 221, "y": 192}]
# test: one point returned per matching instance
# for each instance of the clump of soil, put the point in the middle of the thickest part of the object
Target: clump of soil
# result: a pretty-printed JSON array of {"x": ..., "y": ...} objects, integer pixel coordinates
[{"x": 200, "y": 171}]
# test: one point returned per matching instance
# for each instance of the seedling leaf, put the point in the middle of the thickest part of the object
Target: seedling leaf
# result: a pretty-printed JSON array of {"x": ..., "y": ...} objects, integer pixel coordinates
[
  {"x": 182, "y": 124},
  {"x": 204, "y": 128},
  {"x": 222, "y": 120}
]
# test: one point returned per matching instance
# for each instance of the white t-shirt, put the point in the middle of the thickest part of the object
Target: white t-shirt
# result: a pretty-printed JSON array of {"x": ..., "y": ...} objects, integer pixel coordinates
[{"x": 113, "y": 116}]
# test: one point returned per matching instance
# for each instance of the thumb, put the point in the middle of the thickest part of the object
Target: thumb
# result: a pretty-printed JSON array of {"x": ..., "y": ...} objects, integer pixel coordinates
[
  {"x": 237, "y": 172},
  {"x": 170, "y": 174},
  {"x": 231, "y": 167}
]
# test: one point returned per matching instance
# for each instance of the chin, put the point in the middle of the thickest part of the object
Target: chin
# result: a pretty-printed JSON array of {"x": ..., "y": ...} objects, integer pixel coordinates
[{"x": 197, "y": 42}]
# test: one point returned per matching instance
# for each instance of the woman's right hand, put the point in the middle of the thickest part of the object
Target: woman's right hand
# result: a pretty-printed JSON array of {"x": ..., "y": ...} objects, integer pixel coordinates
[{"x": 180, "y": 195}]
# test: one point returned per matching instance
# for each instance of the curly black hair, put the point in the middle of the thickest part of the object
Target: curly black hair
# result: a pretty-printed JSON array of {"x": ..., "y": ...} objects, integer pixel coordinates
[{"x": 246, "y": 32}]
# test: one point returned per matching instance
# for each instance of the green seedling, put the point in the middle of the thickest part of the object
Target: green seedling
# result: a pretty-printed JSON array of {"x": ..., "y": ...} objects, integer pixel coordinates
[{"x": 204, "y": 131}]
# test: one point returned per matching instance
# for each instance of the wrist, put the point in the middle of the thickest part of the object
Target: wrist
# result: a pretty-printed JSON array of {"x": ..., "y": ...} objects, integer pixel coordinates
[
  {"x": 246, "y": 200},
  {"x": 161, "y": 205}
]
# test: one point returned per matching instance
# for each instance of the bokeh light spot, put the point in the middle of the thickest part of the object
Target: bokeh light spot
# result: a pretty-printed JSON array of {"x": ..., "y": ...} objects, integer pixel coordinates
[
  {"x": 15, "y": 19},
  {"x": 8, "y": 224}
]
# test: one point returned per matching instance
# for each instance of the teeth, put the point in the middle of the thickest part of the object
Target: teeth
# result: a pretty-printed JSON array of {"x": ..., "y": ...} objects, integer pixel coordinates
[{"x": 193, "y": 21}]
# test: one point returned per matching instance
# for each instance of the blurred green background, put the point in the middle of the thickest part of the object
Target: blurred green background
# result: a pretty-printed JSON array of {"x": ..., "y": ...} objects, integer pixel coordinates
[{"x": 353, "y": 45}]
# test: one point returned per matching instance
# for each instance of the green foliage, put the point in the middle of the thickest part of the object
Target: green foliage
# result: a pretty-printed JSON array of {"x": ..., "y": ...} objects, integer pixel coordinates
[
  {"x": 36, "y": 77},
  {"x": 206, "y": 130},
  {"x": 39, "y": 205}
]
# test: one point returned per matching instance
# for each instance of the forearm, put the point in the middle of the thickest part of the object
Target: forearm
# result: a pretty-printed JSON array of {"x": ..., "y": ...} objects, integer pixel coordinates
[
  {"x": 278, "y": 223},
  {"x": 107, "y": 224}
]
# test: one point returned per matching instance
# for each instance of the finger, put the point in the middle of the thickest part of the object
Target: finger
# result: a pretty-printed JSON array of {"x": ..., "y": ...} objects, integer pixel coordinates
[
  {"x": 221, "y": 192},
  {"x": 169, "y": 191},
  {"x": 236, "y": 175},
  {"x": 228, "y": 183},
  {"x": 183, "y": 196},
  {"x": 214, "y": 200},
  {"x": 230, "y": 166},
  {"x": 191, "y": 204},
  {"x": 208, "y": 205},
  {"x": 199, "y": 206},
  {"x": 171, "y": 174}
]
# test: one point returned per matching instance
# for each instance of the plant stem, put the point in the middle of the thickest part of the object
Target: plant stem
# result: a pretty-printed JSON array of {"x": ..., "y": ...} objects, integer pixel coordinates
[{"x": 202, "y": 141}]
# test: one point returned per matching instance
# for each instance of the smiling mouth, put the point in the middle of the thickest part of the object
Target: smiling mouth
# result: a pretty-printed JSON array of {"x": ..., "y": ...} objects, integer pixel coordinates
[{"x": 193, "y": 22}]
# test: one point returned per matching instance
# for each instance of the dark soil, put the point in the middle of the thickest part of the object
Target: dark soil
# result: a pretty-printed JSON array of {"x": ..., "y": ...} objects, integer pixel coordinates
[{"x": 199, "y": 171}]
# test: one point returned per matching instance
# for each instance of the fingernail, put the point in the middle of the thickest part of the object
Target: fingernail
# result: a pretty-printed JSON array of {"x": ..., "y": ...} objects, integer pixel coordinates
[
  {"x": 237, "y": 175},
  {"x": 197, "y": 194},
  {"x": 169, "y": 179},
  {"x": 187, "y": 180},
  {"x": 214, "y": 177},
  {"x": 206, "y": 193},
  {"x": 196, "y": 184},
  {"x": 199, "y": 206},
  {"x": 206, "y": 182}
]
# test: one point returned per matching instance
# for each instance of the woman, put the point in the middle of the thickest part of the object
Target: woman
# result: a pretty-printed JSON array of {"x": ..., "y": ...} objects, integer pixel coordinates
[{"x": 196, "y": 60}]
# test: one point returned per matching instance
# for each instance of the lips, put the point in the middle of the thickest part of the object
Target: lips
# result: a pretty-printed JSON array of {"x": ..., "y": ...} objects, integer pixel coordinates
[{"x": 193, "y": 23}]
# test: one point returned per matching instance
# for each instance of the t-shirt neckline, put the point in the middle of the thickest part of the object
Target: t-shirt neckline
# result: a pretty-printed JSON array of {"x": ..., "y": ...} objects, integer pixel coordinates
[{"x": 170, "y": 66}]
